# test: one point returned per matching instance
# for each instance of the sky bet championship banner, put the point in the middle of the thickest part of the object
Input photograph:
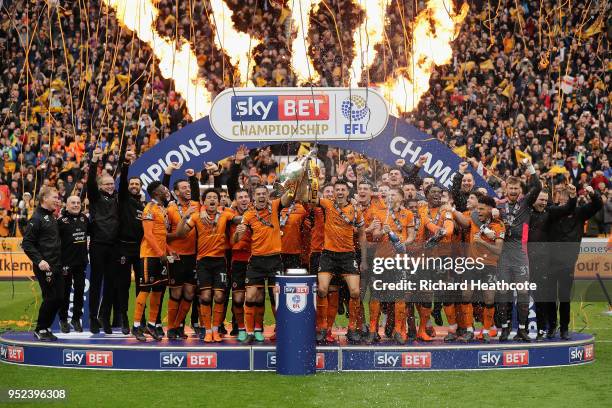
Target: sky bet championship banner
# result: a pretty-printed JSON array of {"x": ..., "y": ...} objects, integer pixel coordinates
[{"x": 349, "y": 118}]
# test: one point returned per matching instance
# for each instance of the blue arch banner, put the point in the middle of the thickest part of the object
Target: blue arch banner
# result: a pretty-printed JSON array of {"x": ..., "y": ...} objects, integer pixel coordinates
[{"x": 197, "y": 143}]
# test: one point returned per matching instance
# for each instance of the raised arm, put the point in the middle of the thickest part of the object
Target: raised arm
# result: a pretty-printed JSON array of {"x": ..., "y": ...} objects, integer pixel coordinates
[{"x": 92, "y": 185}]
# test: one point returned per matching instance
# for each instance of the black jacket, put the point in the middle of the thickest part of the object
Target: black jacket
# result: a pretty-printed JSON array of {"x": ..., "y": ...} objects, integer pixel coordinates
[
  {"x": 104, "y": 212},
  {"x": 41, "y": 241},
  {"x": 568, "y": 232},
  {"x": 130, "y": 217},
  {"x": 73, "y": 234},
  {"x": 459, "y": 197}
]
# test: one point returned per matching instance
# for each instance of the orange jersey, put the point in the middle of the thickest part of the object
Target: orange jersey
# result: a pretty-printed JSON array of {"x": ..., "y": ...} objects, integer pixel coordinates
[
  {"x": 212, "y": 232},
  {"x": 431, "y": 221},
  {"x": 155, "y": 225},
  {"x": 400, "y": 221},
  {"x": 186, "y": 245},
  {"x": 317, "y": 236},
  {"x": 291, "y": 219},
  {"x": 241, "y": 250},
  {"x": 265, "y": 229},
  {"x": 476, "y": 250},
  {"x": 339, "y": 226}
]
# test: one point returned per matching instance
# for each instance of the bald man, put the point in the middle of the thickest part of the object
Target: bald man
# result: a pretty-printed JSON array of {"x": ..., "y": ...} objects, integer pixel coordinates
[{"x": 104, "y": 229}]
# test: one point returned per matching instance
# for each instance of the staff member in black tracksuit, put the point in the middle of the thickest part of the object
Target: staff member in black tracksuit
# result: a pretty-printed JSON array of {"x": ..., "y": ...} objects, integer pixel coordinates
[
  {"x": 104, "y": 228},
  {"x": 73, "y": 234},
  {"x": 41, "y": 243},
  {"x": 567, "y": 234},
  {"x": 130, "y": 236},
  {"x": 541, "y": 221}
]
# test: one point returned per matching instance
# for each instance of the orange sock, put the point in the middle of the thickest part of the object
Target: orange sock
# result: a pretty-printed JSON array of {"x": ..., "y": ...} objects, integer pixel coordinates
[
  {"x": 361, "y": 316},
  {"x": 322, "y": 306},
  {"x": 374, "y": 315},
  {"x": 353, "y": 313},
  {"x": 218, "y": 314},
  {"x": 449, "y": 311},
  {"x": 238, "y": 311},
  {"x": 184, "y": 308},
  {"x": 173, "y": 306},
  {"x": 467, "y": 311},
  {"x": 141, "y": 302},
  {"x": 154, "y": 306},
  {"x": 460, "y": 317},
  {"x": 400, "y": 317},
  {"x": 259, "y": 316},
  {"x": 332, "y": 308},
  {"x": 410, "y": 316},
  {"x": 487, "y": 317},
  {"x": 205, "y": 314},
  {"x": 424, "y": 314},
  {"x": 249, "y": 317}
]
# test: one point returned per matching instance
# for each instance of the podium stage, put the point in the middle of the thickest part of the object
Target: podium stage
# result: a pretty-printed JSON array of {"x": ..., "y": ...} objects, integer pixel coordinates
[{"x": 120, "y": 352}]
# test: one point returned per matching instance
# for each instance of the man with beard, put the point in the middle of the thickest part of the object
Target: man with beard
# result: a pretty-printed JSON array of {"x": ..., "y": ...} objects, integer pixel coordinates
[
  {"x": 212, "y": 225},
  {"x": 513, "y": 265},
  {"x": 540, "y": 251},
  {"x": 568, "y": 233},
  {"x": 263, "y": 222},
  {"x": 338, "y": 256},
  {"x": 182, "y": 276},
  {"x": 316, "y": 219},
  {"x": 463, "y": 184},
  {"x": 130, "y": 237},
  {"x": 104, "y": 218},
  {"x": 241, "y": 252}
]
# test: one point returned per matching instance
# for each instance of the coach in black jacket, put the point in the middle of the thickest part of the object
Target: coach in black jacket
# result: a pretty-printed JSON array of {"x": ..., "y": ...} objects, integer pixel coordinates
[
  {"x": 541, "y": 220},
  {"x": 104, "y": 218},
  {"x": 567, "y": 234},
  {"x": 130, "y": 236},
  {"x": 73, "y": 234},
  {"x": 41, "y": 243}
]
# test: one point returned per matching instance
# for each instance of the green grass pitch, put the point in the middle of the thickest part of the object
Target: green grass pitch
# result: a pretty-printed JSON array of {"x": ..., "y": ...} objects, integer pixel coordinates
[{"x": 579, "y": 386}]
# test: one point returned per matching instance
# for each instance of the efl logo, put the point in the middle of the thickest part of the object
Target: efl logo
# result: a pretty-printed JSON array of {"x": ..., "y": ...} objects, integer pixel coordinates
[
  {"x": 88, "y": 358},
  {"x": 503, "y": 358},
  {"x": 402, "y": 360},
  {"x": 11, "y": 353},
  {"x": 280, "y": 108},
  {"x": 581, "y": 353},
  {"x": 187, "y": 360},
  {"x": 271, "y": 360}
]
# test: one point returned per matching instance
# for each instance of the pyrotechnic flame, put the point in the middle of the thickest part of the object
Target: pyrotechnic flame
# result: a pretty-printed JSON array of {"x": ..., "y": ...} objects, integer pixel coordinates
[
  {"x": 368, "y": 34},
  {"x": 433, "y": 30},
  {"x": 300, "y": 61},
  {"x": 237, "y": 45},
  {"x": 180, "y": 64}
]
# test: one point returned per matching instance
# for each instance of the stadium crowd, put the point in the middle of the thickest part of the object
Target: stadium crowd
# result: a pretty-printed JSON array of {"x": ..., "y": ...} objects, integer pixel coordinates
[{"x": 74, "y": 81}]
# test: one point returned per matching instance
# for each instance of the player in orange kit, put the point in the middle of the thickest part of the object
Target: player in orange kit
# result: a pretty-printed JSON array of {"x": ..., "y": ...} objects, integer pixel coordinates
[
  {"x": 211, "y": 225},
  {"x": 486, "y": 239},
  {"x": 154, "y": 259},
  {"x": 263, "y": 222},
  {"x": 395, "y": 225}
]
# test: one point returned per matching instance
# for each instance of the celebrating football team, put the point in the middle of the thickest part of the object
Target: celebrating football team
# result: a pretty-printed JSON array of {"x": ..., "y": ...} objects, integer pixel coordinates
[{"x": 207, "y": 246}]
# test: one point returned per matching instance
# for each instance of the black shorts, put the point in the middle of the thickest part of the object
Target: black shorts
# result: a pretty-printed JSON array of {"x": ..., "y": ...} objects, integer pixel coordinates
[
  {"x": 262, "y": 268},
  {"x": 291, "y": 261},
  {"x": 338, "y": 263},
  {"x": 152, "y": 272},
  {"x": 239, "y": 269},
  {"x": 182, "y": 271},
  {"x": 212, "y": 273}
]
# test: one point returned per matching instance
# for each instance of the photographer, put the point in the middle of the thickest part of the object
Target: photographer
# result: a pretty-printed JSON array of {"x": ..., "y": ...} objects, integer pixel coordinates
[{"x": 41, "y": 243}]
